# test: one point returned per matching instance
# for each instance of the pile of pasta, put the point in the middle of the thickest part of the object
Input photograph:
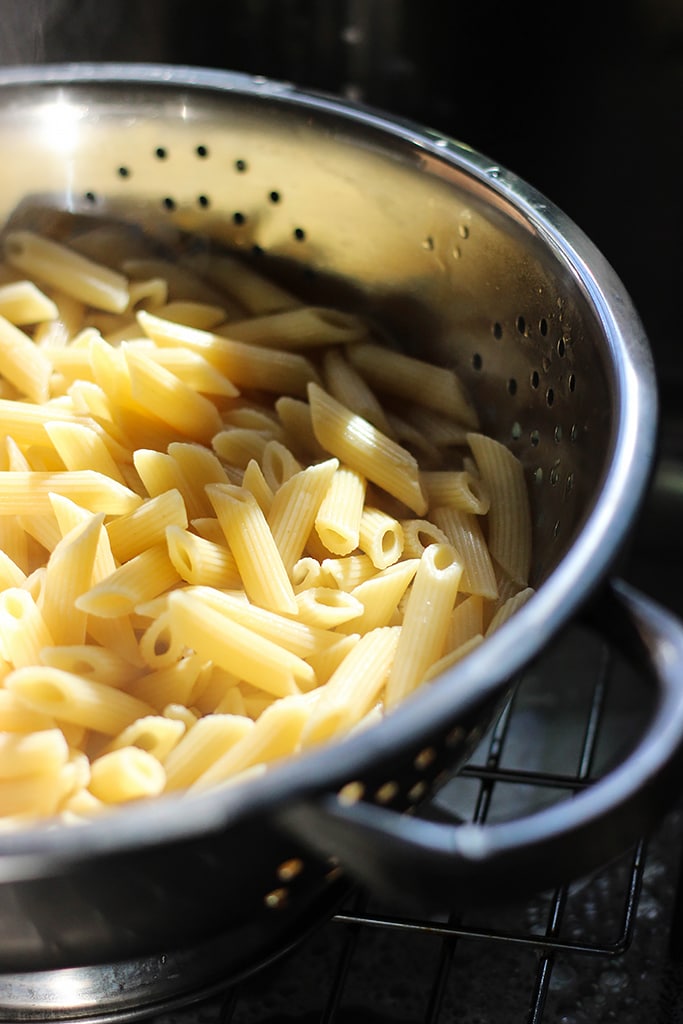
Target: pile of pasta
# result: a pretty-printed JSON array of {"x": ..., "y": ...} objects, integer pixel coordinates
[{"x": 233, "y": 525}]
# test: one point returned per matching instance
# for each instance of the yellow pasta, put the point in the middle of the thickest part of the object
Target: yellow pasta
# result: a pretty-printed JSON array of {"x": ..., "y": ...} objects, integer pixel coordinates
[
  {"x": 412, "y": 379},
  {"x": 303, "y": 327},
  {"x": 425, "y": 624},
  {"x": 294, "y": 509},
  {"x": 252, "y": 543},
  {"x": 71, "y": 698},
  {"x": 200, "y": 561},
  {"x": 354, "y": 686},
  {"x": 60, "y": 266},
  {"x": 380, "y": 537},
  {"x": 247, "y": 367},
  {"x": 509, "y": 518},
  {"x": 381, "y": 596},
  {"x": 339, "y": 517},
  {"x": 23, "y": 630},
  {"x": 23, "y": 364},
  {"x": 355, "y": 442},
  {"x": 69, "y": 573},
  {"x": 141, "y": 578},
  {"x": 21, "y": 302},
  {"x": 127, "y": 773},
  {"x": 202, "y": 745},
  {"x": 146, "y": 526},
  {"x": 232, "y": 526},
  {"x": 28, "y": 493},
  {"x": 220, "y": 639}
]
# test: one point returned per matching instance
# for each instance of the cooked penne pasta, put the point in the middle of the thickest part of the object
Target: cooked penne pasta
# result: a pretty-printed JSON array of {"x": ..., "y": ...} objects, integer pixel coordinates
[
  {"x": 339, "y": 517},
  {"x": 355, "y": 442},
  {"x": 299, "y": 328},
  {"x": 61, "y": 267},
  {"x": 232, "y": 525},
  {"x": 250, "y": 539},
  {"x": 21, "y": 302},
  {"x": 435, "y": 387},
  {"x": 431, "y": 601},
  {"x": 380, "y": 537},
  {"x": 71, "y": 698},
  {"x": 509, "y": 517}
]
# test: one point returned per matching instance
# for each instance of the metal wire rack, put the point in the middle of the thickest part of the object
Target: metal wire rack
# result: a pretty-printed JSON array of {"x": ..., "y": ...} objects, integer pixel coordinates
[{"x": 596, "y": 950}]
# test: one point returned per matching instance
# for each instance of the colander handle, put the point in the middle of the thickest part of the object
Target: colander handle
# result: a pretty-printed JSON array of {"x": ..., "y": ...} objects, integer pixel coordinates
[{"x": 413, "y": 862}]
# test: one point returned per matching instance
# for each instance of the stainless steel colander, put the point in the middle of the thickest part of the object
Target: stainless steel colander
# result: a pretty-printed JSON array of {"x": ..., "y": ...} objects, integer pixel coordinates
[{"x": 463, "y": 264}]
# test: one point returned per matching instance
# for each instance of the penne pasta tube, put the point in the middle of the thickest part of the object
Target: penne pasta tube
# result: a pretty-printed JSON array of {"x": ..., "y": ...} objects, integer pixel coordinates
[
  {"x": 349, "y": 571},
  {"x": 452, "y": 657},
  {"x": 202, "y": 745},
  {"x": 354, "y": 686},
  {"x": 203, "y": 315},
  {"x": 31, "y": 797},
  {"x": 70, "y": 698},
  {"x": 175, "y": 684},
  {"x": 308, "y": 572},
  {"x": 69, "y": 574},
  {"x": 81, "y": 448},
  {"x": 61, "y": 267},
  {"x": 140, "y": 579},
  {"x": 198, "y": 467},
  {"x": 418, "y": 534},
  {"x": 246, "y": 366},
  {"x": 466, "y": 621},
  {"x": 295, "y": 417},
  {"x": 25, "y": 421},
  {"x": 40, "y": 753},
  {"x": 256, "y": 292},
  {"x": 324, "y": 663},
  {"x": 199, "y": 561},
  {"x": 276, "y": 734},
  {"x": 28, "y": 493},
  {"x": 278, "y": 464},
  {"x": 104, "y": 665},
  {"x": 509, "y": 516},
  {"x": 23, "y": 363},
  {"x": 239, "y": 446},
  {"x": 125, "y": 774},
  {"x": 299, "y": 637},
  {"x": 11, "y": 575},
  {"x": 160, "y": 645},
  {"x": 339, "y": 517},
  {"x": 176, "y": 403},
  {"x": 295, "y": 506},
  {"x": 464, "y": 532},
  {"x": 22, "y": 302},
  {"x": 414, "y": 380},
  {"x": 216, "y": 637},
  {"x": 425, "y": 621},
  {"x": 16, "y": 717},
  {"x": 458, "y": 488},
  {"x": 255, "y": 482},
  {"x": 257, "y": 556},
  {"x": 355, "y": 442},
  {"x": 23, "y": 630},
  {"x": 344, "y": 383},
  {"x": 182, "y": 284},
  {"x": 301, "y": 327},
  {"x": 146, "y": 526},
  {"x": 156, "y": 734},
  {"x": 327, "y": 607},
  {"x": 381, "y": 595},
  {"x": 508, "y": 608},
  {"x": 380, "y": 537}
]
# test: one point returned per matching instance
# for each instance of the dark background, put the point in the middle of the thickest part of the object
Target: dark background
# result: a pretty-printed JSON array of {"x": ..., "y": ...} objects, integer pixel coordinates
[{"x": 584, "y": 100}]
